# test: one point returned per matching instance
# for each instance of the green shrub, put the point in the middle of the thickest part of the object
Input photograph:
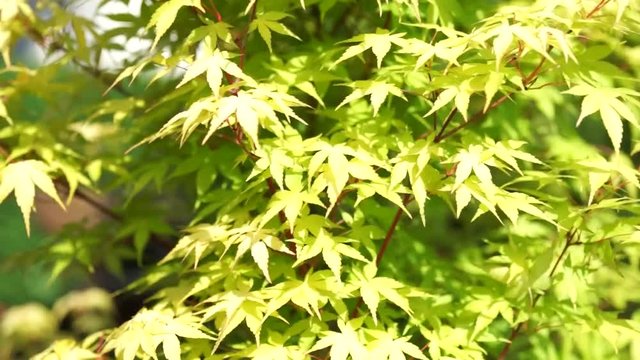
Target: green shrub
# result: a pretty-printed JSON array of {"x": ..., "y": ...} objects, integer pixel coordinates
[{"x": 336, "y": 178}]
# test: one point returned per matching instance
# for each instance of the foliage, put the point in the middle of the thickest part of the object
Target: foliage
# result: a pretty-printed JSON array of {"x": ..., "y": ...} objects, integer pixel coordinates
[{"x": 341, "y": 179}]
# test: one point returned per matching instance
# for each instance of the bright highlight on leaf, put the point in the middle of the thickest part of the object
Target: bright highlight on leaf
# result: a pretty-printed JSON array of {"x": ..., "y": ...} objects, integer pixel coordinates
[
  {"x": 268, "y": 22},
  {"x": 372, "y": 288},
  {"x": 345, "y": 343},
  {"x": 23, "y": 177},
  {"x": 379, "y": 43},
  {"x": 332, "y": 250},
  {"x": 378, "y": 91},
  {"x": 611, "y": 108},
  {"x": 150, "y": 328},
  {"x": 214, "y": 66},
  {"x": 289, "y": 240},
  {"x": 165, "y": 15}
]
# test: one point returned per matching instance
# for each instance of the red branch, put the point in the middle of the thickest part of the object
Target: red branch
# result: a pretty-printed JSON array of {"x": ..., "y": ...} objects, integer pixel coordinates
[
  {"x": 385, "y": 244},
  {"x": 391, "y": 230},
  {"x": 216, "y": 11}
]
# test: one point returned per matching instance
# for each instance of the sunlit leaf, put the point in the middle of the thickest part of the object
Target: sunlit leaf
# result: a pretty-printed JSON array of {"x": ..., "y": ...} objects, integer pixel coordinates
[{"x": 23, "y": 178}]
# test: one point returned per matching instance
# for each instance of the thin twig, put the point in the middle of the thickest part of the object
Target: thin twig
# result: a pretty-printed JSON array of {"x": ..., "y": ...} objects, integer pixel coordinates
[
  {"x": 41, "y": 40},
  {"x": 385, "y": 244},
  {"x": 217, "y": 13},
  {"x": 391, "y": 230},
  {"x": 446, "y": 122},
  {"x": 526, "y": 82},
  {"x": 98, "y": 205},
  {"x": 243, "y": 41},
  {"x": 598, "y": 7},
  {"x": 475, "y": 118},
  {"x": 569, "y": 241}
]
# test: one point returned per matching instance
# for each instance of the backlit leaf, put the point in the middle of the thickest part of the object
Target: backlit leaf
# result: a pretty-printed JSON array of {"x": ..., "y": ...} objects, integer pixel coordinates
[
  {"x": 166, "y": 14},
  {"x": 23, "y": 178}
]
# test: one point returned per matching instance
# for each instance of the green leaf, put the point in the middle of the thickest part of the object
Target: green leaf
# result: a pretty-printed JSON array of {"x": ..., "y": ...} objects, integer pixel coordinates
[
  {"x": 377, "y": 89},
  {"x": 232, "y": 308},
  {"x": 310, "y": 294},
  {"x": 494, "y": 80},
  {"x": 344, "y": 343},
  {"x": 267, "y": 22},
  {"x": 387, "y": 345},
  {"x": 214, "y": 66},
  {"x": 166, "y": 14},
  {"x": 171, "y": 347},
  {"x": 291, "y": 203},
  {"x": 463, "y": 197},
  {"x": 4, "y": 114},
  {"x": 332, "y": 249},
  {"x": 613, "y": 124},
  {"x": 532, "y": 38},
  {"x": 605, "y": 100},
  {"x": 470, "y": 160},
  {"x": 372, "y": 288},
  {"x": 379, "y": 43},
  {"x": 22, "y": 178},
  {"x": 502, "y": 42},
  {"x": 443, "y": 99},
  {"x": 148, "y": 328}
]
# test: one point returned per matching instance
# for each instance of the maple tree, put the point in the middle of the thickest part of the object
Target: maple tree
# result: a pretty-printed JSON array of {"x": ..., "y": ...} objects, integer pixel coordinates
[{"x": 400, "y": 179}]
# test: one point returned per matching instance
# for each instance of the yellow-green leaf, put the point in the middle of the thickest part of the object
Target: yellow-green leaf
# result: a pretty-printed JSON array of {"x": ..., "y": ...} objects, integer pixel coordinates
[
  {"x": 22, "y": 178},
  {"x": 494, "y": 80},
  {"x": 613, "y": 124},
  {"x": 260, "y": 255},
  {"x": 4, "y": 114},
  {"x": 267, "y": 22},
  {"x": 166, "y": 14},
  {"x": 501, "y": 43},
  {"x": 171, "y": 347}
]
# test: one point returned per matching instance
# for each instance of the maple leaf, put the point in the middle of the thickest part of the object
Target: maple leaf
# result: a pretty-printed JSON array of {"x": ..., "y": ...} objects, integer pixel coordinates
[
  {"x": 234, "y": 307},
  {"x": 268, "y": 22},
  {"x": 291, "y": 203},
  {"x": 311, "y": 294},
  {"x": 379, "y": 90},
  {"x": 22, "y": 178},
  {"x": 332, "y": 248},
  {"x": 372, "y": 288},
  {"x": 611, "y": 109},
  {"x": 148, "y": 329},
  {"x": 601, "y": 171},
  {"x": 387, "y": 345},
  {"x": 166, "y": 14},
  {"x": 379, "y": 43},
  {"x": 472, "y": 159},
  {"x": 214, "y": 65},
  {"x": 259, "y": 242},
  {"x": 344, "y": 343}
]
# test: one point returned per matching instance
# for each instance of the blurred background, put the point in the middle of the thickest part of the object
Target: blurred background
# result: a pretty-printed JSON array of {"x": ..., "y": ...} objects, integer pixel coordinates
[{"x": 36, "y": 307}]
